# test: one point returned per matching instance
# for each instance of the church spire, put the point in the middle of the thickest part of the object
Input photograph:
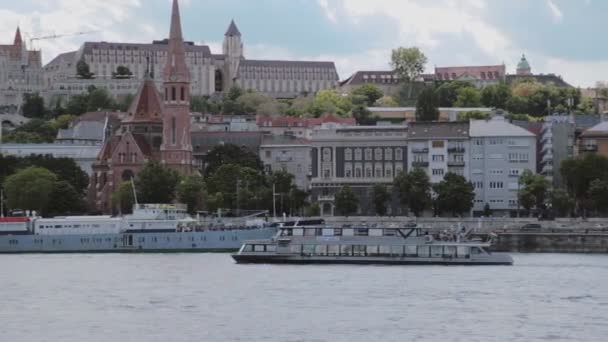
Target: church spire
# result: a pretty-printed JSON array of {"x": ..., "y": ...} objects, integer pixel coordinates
[
  {"x": 176, "y": 69},
  {"x": 233, "y": 31},
  {"x": 18, "y": 40}
]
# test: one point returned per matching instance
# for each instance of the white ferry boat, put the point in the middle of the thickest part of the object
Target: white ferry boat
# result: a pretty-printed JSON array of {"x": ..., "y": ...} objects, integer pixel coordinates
[
  {"x": 352, "y": 245},
  {"x": 151, "y": 228}
]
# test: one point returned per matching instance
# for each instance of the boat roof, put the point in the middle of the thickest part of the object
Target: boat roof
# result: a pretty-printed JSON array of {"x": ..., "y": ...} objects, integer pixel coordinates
[{"x": 14, "y": 219}]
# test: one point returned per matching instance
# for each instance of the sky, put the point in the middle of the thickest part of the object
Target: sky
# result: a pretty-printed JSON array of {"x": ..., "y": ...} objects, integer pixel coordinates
[{"x": 563, "y": 37}]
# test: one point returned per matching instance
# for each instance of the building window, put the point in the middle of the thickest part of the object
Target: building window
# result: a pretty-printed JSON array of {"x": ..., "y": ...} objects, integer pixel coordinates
[
  {"x": 173, "y": 129},
  {"x": 183, "y": 94},
  {"x": 438, "y": 172},
  {"x": 388, "y": 171},
  {"x": 388, "y": 154},
  {"x": 348, "y": 171},
  {"x": 358, "y": 154},
  {"x": 357, "y": 172},
  {"x": 368, "y": 154},
  {"x": 399, "y": 154},
  {"x": 268, "y": 154},
  {"x": 438, "y": 158},
  {"x": 378, "y": 154},
  {"x": 173, "y": 94},
  {"x": 379, "y": 172},
  {"x": 368, "y": 172},
  {"x": 348, "y": 154},
  {"x": 478, "y": 142},
  {"x": 438, "y": 144}
]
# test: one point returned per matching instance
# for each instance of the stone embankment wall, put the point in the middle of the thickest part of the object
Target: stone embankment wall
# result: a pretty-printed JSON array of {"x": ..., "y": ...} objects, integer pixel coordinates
[{"x": 571, "y": 242}]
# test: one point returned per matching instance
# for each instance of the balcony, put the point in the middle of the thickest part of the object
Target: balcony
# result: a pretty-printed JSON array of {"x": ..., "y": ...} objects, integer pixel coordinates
[
  {"x": 587, "y": 148},
  {"x": 327, "y": 198},
  {"x": 454, "y": 163},
  {"x": 420, "y": 150},
  {"x": 420, "y": 164},
  {"x": 456, "y": 150}
]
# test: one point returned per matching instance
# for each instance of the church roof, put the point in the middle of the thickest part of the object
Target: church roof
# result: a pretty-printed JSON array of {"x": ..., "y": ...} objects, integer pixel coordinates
[
  {"x": 18, "y": 40},
  {"x": 233, "y": 31},
  {"x": 287, "y": 64},
  {"x": 176, "y": 69},
  {"x": 147, "y": 105}
]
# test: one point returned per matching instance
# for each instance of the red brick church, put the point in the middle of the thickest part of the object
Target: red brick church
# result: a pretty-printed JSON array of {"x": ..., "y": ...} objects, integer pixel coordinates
[{"x": 156, "y": 127}]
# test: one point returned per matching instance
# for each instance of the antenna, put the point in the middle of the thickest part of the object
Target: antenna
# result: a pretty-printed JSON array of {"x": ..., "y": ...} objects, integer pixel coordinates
[{"x": 134, "y": 192}]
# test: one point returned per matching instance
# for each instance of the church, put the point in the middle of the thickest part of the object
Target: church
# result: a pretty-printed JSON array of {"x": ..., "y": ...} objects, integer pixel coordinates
[
  {"x": 156, "y": 127},
  {"x": 211, "y": 73}
]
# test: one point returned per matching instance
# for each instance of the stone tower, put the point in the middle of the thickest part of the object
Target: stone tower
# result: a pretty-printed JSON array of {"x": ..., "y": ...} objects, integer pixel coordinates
[
  {"x": 523, "y": 67},
  {"x": 176, "y": 149},
  {"x": 233, "y": 50}
]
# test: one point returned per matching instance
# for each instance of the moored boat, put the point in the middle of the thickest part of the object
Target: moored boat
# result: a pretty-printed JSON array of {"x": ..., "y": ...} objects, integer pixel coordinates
[{"x": 378, "y": 245}]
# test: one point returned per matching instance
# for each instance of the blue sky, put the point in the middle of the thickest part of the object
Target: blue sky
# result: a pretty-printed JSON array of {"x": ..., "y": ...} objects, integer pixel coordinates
[{"x": 558, "y": 36}]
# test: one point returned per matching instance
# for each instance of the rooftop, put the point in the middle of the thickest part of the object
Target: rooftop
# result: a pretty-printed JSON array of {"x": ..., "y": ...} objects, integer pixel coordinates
[
  {"x": 497, "y": 127},
  {"x": 444, "y": 130}
]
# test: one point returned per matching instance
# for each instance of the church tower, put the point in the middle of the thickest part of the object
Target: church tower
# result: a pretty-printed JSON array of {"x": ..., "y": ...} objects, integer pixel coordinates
[
  {"x": 233, "y": 50},
  {"x": 523, "y": 67},
  {"x": 176, "y": 149}
]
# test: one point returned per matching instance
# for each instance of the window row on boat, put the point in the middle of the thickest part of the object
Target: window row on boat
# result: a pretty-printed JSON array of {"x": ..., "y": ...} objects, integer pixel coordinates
[
  {"x": 422, "y": 251},
  {"x": 317, "y": 231}
]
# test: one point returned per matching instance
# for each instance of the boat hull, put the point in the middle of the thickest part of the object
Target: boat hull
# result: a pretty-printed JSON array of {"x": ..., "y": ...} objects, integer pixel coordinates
[
  {"x": 498, "y": 259},
  {"x": 193, "y": 242}
]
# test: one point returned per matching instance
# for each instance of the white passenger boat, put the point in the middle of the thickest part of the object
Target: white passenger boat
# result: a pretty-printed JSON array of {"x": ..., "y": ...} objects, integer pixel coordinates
[{"x": 352, "y": 245}]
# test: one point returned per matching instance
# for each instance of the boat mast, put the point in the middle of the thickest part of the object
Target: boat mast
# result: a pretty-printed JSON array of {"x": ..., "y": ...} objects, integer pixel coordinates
[
  {"x": 2, "y": 202},
  {"x": 133, "y": 187}
]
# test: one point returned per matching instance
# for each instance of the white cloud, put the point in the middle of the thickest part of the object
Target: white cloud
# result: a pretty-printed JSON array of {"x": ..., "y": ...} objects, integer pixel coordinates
[{"x": 556, "y": 12}]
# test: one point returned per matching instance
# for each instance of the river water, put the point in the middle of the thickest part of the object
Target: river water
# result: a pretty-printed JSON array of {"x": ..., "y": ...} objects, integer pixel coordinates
[{"x": 206, "y": 297}]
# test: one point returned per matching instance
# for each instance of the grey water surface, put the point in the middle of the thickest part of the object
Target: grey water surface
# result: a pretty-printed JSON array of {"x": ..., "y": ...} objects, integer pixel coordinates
[{"x": 206, "y": 297}]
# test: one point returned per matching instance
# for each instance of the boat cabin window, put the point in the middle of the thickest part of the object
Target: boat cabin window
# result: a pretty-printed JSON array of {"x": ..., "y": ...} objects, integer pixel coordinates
[
  {"x": 310, "y": 232},
  {"x": 389, "y": 232},
  {"x": 289, "y": 224},
  {"x": 286, "y": 232},
  {"x": 337, "y": 231},
  {"x": 361, "y": 232}
]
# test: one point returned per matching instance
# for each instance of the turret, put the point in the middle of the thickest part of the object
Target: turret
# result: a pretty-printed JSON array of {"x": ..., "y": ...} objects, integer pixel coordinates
[
  {"x": 523, "y": 67},
  {"x": 233, "y": 50}
]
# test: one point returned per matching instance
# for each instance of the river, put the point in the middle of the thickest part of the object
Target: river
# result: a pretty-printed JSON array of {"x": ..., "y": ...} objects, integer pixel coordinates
[{"x": 206, "y": 297}]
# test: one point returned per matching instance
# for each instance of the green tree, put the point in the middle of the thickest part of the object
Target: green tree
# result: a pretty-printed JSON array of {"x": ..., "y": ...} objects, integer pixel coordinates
[
  {"x": 123, "y": 198},
  {"x": 487, "y": 211},
  {"x": 454, "y": 194},
  {"x": 82, "y": 70},
  {"x": 34, "y": 131},
  {"x": 33, "y": 106},
  {"x": 191, "y": 191},
  {"x": 30, "y": 189},
  {"x": 231, "y": 154},
  {"x": 347, "y": 201},
  {"x": 363, "y": 115},
  {"x": 427, "y": 105},
  {"x": 381, "y": 196},
  {"x": 448, "y": 92},
  {"x": 473, "y": 115},
  {"x": 468, "y": 97},
  {"x": 251, "y": 101},
  {"x": 330, "y": 101},
  {"x": 78, "y": 104},
  {"x": 156, "y": 183},
  {"x": 414, "y": 190},
  {"x": 222, "y": 188},
  {"x": 578, "y": 173},
  {"x": 496, "y": 95},
  {"x": 598, "y": 194},
  {"x": 561, "y": 203},
  {"x": 234, "y": 93},
  {"x": 122, "y": 72},
  {"x": 271, "y": 109},
  {"x": 66, "y": 200},
  {"x": 370, "y": 92},
  {"x": 300, "y": 106},
  {"x": 386, "y": 101},
  {"x": 408, "y": 63},
  {"x": 199, "y": 104},
  {"x": 534, "y": 191},
  {"x": 314, "y": 210},
  {"x": 125, "y": 102},
  {"x": 100, "y": 99}
]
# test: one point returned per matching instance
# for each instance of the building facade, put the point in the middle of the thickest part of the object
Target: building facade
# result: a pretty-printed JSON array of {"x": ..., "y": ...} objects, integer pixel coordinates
[
  {"x": 594, "y": 140},
  {"x": 156, "y": 128},
  {"x": 439, "y": 148},
  {"x": 359, "y": 157},
  {"x": 209, "y": 73},
  {"x": 302, "y": 127},
  {"x": 288, "y": 153},
  {"x": 21, "y": 72},
  {"x": 500, "y": 153}
]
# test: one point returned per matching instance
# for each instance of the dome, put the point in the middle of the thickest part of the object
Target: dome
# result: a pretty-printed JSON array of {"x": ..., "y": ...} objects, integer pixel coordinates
[{"x": 523, "y": 63}]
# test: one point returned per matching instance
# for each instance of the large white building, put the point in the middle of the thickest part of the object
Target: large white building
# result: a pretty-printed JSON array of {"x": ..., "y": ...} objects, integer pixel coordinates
[
  {"x": 210, "y": 72},
  {"x": 500, "y": 153},
  {"x": 20, "y": 72}
]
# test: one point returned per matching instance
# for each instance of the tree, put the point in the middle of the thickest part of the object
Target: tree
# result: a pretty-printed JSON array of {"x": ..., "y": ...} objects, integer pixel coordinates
[
  {"x": 473, "y": 115},
  {"x": 66, "y": 200},
  {"x": 78, "y": 104},
  {"x": 414, "y": 190},
  {"x": 251, "y": 101},
  {"x": 234, "y": 93},
  {"x": 487, "y": 211},
  {"x": 231, "y": 154},
  {"x": 578, "y": 173},
  {"x": 82, "y": 70},
  {"x": 33, "y": 106},
  {"x": 598, "y": 194},
  {"x": 313, "y": 210},
  {"x": 100, "y": 99},
  {"x": 454, "y": 194},
  {"x": 496, "y": 95},
  {"x": 386, "y": 101},
  {"x": 271, "y": 109},
  {"x": 123, "y": 199},
  {"x": 125, "y": 102},
  {"x": 370, "y": 92},
  {"x": 447, "y": 93},
  {"x": 34, "y": 131},
  {"x": 534, "y": 191},
  {"x": 363, "y": 115},
  {"x": 300, "y": 106},
  {"x": 191, "y": 191},
  {"x": 427, "y": 105},
  {"x": 347, "y": 202},
  {"x": 561, "y": 203},
  {"x": 468, "y": 97},
  {"x": 156, "y": 183},
  {"x": 30, "y": 189},
  {"x": 409, "y": 62},
  {"x": 122, "y": 72},
  {"x": 381, "y": 196},
  {"x": 330, "y": 101},
  {"x": 222, "y": 188}
]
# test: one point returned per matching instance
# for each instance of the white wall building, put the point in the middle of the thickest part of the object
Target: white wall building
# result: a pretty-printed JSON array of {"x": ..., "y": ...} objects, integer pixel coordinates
[{"x": 500, "y": 152}]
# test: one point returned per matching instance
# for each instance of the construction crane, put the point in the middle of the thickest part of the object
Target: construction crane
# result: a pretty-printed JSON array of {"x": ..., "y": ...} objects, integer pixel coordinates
[{"x": 55, "y": 36}]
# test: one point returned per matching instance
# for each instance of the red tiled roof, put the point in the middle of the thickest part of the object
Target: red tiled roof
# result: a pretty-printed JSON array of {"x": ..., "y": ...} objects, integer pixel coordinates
[
  {"x": 143, "y": 145},
  {"x": 147, "y": 106}
]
